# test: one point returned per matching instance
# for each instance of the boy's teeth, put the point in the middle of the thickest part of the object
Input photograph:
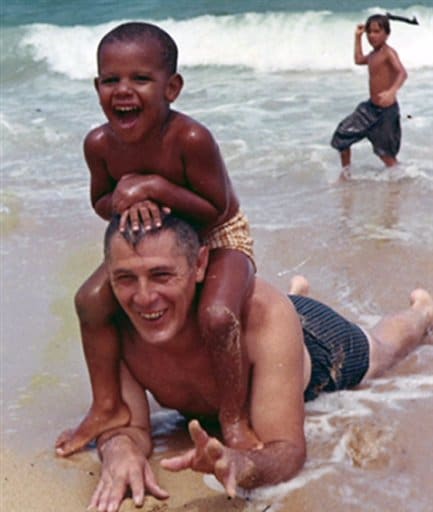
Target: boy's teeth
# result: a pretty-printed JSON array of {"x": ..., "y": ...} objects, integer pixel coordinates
[
  {"x": 126, "y": 109},
  {"x": 151, "y": 316}
]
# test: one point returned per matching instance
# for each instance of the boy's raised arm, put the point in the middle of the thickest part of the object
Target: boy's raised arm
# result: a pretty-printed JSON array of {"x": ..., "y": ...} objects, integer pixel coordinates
[{"x": 359, "y": 56}]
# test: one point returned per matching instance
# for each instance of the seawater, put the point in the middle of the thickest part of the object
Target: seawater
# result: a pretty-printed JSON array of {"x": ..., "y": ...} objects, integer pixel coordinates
[{"x": 271, "y": 80}]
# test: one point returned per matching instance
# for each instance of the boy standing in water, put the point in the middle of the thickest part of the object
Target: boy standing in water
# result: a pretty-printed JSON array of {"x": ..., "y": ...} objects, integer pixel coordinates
[
  {"x": 148, "y": 157},
  {"x": 377, "y": 119}
]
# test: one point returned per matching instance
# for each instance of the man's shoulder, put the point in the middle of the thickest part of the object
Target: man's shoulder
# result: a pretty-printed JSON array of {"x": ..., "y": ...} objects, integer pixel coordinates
[{"x": 265, "y": 303}]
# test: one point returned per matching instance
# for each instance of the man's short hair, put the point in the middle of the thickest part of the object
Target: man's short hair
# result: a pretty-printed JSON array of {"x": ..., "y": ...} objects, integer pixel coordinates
[
  {"x": 186, "y": 236},
  {"x": 139, "y": 32}
]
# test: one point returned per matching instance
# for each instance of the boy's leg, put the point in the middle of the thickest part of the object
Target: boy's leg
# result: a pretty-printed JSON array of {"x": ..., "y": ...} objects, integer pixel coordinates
[
  {"x": 96, "y": 308},
  {"x": 345, "y": 157},
  {"x": 397, "y": 334},
  {"x": 389, "y": 161},
  {"x": 385, "y": 135},
  {"x": 229, "y": 279}
]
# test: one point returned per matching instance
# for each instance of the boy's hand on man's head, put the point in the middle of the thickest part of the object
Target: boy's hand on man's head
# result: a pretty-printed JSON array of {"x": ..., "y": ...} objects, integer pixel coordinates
[{"x": 147, "y": 212}]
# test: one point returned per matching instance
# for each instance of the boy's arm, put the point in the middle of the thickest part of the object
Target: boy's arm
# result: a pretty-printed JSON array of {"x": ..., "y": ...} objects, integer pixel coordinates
[
  {"x": 101, "y": 183},
  {"x": 134, "y": 189},
  {"x": 359, "y": 56},
  {"x": 124, "y": 453}
]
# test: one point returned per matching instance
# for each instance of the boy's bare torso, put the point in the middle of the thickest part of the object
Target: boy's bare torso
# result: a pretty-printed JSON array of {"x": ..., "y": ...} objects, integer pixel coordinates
[
  {"x": 159, "y": 155},
  {"x": 163, "y": 154},
  {"x": 381, "y": 73}
]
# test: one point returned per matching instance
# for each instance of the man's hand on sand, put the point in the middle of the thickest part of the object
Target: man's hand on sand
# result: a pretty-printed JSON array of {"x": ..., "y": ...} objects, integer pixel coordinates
[{"x": 130, "y": 471}]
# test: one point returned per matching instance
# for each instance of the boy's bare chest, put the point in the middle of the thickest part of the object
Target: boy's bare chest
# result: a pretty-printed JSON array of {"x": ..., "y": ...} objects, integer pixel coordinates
[{"x": 166, "y": 162}]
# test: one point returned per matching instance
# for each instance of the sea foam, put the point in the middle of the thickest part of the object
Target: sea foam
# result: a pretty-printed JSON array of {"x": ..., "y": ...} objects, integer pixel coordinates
[{"x": 265, "y": 42}]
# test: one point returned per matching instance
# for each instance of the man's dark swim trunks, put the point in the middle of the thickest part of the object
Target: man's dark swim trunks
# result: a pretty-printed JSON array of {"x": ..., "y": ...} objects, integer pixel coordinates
[
  {"x": 339, "y": 349},
  {"x": 381, "y": 126}
]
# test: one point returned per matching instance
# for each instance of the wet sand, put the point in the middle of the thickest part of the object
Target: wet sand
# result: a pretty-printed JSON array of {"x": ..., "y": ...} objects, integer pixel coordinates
[{"x": 357, "y": 461}]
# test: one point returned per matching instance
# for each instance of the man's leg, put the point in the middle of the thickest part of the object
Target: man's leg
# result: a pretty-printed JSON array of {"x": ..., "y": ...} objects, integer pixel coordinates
[
  {"x": 397, "y": 334},
  {"x": 299, "y": 286}
]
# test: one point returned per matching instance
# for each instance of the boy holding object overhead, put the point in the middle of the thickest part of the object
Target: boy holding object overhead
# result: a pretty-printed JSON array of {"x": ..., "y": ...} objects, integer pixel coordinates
[
  {"x": 149, "y": 159},
  {"x": 378, "y": 118}
]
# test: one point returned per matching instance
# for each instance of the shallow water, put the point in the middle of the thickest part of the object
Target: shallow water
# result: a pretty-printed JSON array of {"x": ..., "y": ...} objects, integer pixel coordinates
[{"x": 363, "y": 244}]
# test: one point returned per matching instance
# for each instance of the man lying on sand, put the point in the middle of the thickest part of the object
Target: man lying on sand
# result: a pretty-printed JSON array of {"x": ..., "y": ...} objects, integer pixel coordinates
[{"x": 293, "y": 349}]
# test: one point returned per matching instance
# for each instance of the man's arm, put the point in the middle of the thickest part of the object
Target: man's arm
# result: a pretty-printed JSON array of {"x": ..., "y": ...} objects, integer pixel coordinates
[
  {"x": 124, "y": 453},
  {"x": 275, "y": 346},
  {"x": 276, "y": 349},
  {"x": 359, "y": 56}
]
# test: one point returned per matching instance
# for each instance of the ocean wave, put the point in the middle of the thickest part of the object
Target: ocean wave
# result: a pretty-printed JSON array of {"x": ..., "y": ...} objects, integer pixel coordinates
[{"x": 265, "y": 42}]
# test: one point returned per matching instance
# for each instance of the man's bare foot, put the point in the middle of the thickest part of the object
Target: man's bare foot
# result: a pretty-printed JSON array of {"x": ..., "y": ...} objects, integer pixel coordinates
[
  {"x": 93, "y": 424},
  {"x": 422, "y": 301},
  {"x": 240, "y": 436},
  {"x": 299, "y": 285}
]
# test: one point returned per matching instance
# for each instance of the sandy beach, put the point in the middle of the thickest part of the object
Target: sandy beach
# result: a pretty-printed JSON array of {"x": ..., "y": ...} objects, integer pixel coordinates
[
  {"x": 365, "y": 449},
  {"x": 45, "y": 484}
]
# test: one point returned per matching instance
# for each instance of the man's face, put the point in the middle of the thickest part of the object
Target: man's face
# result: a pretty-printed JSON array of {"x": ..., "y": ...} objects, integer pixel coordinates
[{"x": 155, "y": 285}]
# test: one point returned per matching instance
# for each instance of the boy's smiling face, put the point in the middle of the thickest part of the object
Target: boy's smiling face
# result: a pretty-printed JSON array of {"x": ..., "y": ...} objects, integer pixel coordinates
[
  {"x": 376, "y": 35},
  {"x": 134, "y": 87}
]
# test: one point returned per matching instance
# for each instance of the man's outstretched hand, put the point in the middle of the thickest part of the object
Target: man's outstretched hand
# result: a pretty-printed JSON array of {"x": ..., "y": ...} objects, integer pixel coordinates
[{"x": 209, "y": 455}]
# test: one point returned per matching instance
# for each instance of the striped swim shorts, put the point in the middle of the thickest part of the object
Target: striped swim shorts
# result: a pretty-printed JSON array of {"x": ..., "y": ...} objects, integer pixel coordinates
[{"x": 339, "y": 349}]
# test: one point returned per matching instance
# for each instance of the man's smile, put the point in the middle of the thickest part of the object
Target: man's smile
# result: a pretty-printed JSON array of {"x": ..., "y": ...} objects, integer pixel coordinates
[{"x": 154, "y": 315}]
